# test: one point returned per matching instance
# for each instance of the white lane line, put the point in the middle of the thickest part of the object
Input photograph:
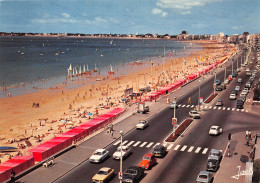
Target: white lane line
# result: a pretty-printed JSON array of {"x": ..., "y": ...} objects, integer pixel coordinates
[
  {"x": 198, "y": 150},
  {"x": 242, "y": 110},
  {"x": 169, "y": 147},
  {"x": 214, "y": 107},
  {"x": 116, "y": 143},
  {"x": 188, "y": 106},
  {"x": 136, "y": 144},
  {"x": 176, "y": 148},
  {"x": 233, "y": 109},
  {"x": 237, "y": 109},
  {"x": 219, "y": 108},
  {"x": 204, "y": 151},
  {"x": 142, "y": 145},
  {"x": 206, "y": 107},
  {"x": 183, "y": 148},
  {"x": 210, "y": 107},
  {"x": 156, "y": 144},
  {"x": 124, "y": 142},
  {"x": 183, "y": 105},
  {"x": 130, "y": 143},
  {"x": 179, "y": 105},
  {"x": 191, "y": 148},
  {"x": 192, "y": 106},
  {"x": 224, "y": 108},
  {"x": 149, "y": 145},
  {"x": 246, "y": 110},
  {"x": 228, "y": 108}
]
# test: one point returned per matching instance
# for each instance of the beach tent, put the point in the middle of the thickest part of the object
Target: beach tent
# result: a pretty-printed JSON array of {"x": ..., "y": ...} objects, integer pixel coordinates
[
  {"x": 4, "y": 173},
  {"x": 65, "y": 141},
  {"x": 41, "y": 153}
]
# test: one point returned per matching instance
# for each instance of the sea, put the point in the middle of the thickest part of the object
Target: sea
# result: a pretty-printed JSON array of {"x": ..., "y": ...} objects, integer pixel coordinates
[{"x": 29, "y": 64}]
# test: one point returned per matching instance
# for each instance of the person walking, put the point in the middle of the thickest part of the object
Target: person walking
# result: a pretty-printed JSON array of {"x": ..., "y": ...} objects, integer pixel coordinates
[{"x": 189, "y": 100}]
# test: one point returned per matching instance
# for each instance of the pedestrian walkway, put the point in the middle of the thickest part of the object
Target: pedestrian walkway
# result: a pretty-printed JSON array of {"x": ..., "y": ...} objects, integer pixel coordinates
[{"x": 232, "y": 166}]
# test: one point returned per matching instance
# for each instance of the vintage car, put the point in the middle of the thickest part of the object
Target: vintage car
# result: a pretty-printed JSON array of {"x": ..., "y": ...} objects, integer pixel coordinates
[
  {"x": 126, "y": 151},
  {"x": 142, "y": 124},
  {"x": 215, "y": 130},
  {"x": 98, "y": 156},
  {"x": 132, "y": 174},
  {"x": 204, "y": 176},
  {"x": 148, "y": 161},
  {"x": 159, "y": 150},
  {"x": 103, "y": 175}
]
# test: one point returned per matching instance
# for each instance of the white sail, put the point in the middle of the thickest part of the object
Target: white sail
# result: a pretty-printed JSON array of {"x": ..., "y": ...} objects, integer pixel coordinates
[
  {"x": 76, "y": 72},
  {"x": 70, "y": 67},
  {"x": 84, "y": 69},
  {"x": 95, "y": 67},
  {"x": 73, "y": 72},
  {"x": 111, "y": 68},
  {"x": 80, "y": 69},
  {"x": 87, "y": 67}
]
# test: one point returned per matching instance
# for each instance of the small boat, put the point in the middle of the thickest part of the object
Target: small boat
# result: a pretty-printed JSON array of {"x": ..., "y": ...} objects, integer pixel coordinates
[
  {"x": 41, "y": 54},
  {"x": 111, "y": 72},
  {"x": 8, "y": 149},
  {"x": 57, "y": 53},
  {"x": 22, "y": 53}
]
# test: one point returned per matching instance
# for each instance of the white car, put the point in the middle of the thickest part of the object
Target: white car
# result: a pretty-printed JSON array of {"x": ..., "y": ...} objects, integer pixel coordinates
[
  {"x": 194, "y": 114},
  {"x": 239, "y": 80},
  {"x": 237, "y": 88},
  {"x": 142, "y": 124},
  {"x": 232, "y": 96},
  {"x": 98, "y": 156},
  {"x": 215, "y": 130},
  {"x": 126, "y": 151}
]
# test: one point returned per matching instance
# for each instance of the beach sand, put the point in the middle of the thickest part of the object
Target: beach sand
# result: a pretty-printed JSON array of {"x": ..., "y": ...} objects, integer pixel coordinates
[{"x": 19, "y": 120}]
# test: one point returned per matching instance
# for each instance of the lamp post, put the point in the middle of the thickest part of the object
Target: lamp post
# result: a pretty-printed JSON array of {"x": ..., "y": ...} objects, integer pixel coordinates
[
  {"x": 199, "y": 97},
  {"x": 121, "y": 158}
]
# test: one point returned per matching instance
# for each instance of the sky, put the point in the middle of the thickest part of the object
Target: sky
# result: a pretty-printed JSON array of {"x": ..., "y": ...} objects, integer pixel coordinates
[{"x": 130, "y": 16}]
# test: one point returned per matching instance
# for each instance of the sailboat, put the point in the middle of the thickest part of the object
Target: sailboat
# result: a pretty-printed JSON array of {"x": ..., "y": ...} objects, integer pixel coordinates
[
  {"x": 111, "y": 42},
  {"x": 80, "y": 70},
  {"x": 95, "y": 70},
  {"x": 70, "y": 70},
  {"x": 111, "y": 72},
  {"x": 88, "y": 72}
]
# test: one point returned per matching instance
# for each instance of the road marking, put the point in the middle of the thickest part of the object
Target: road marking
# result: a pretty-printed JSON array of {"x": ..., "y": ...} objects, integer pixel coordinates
[
  {"x": 149, "y": 145},
  {"x": 192, "y": 106},
  {"x": 224, "y": 108},
  {"x": 116, "y": 143},
  {"x": 156, "y": 144},
  {"x": 130, "y": 143},
  {"x": 142, "y": 145},
  {"x": 233, "y": 109},
  {"x": 136, "y": 144},
  {"x": 124, "y": 142},
  {"x": 176, "y": 148},
  {"x": 246, "y": 110},
  {"x": 188, "y": 106},
  {"x": 190, "y": 149},
  {"x": 183, "y": 105},
  {"x": 198, "y": 150},
  {"x": 219, "y": 108},
  {"x": 204, "y": 151},
  {"x": 206, "y": 107},
  {"x": 243, "y": 110},
  {"x": 169, "y": 147},
  {"x": 179, "y": 105},
  {"x": 214, "y": 107},
  {"x": 228, "y": 108},
  {"x": 183, "y": 148},
  {"x": 210, "y": 107},
  {"x": 237, "y": 109}
]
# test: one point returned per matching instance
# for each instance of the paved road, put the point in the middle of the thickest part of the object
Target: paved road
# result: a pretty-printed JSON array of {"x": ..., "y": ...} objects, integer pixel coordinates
[{"x": 187, "y": 156}]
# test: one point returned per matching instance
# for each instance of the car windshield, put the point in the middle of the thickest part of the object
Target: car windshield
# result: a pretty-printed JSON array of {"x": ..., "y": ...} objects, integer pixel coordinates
[
  {"x": 146, "y": 158},
  {"x": 194, "y": 112},
  {"x": 141, "y": 122},
  {"x": 97, "y": 153},
  {"x": 157, "y": 148},
  {"x": 131, "y": 171},
  {"x": 213, "y": 128},
  {"x": 101, "y": 172},
  {"x": 203, "y": 176}
]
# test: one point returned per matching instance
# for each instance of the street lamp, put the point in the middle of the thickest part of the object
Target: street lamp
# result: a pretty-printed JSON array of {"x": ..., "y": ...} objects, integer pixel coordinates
[
  {"x": 199, "y": 97},
  {"x": 121, "y": 158}
]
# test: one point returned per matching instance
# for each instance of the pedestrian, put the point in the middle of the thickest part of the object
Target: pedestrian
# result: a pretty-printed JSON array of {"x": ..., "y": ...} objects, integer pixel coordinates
[
  {"x": 189, "y": 100},
  {"x": 247, "y": 141},
  {"x": 249, "y": 135},
  {"x": 12, "y": 176}
]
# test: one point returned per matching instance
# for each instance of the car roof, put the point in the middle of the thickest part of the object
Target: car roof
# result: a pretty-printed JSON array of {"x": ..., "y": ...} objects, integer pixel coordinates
[
  {"x": 100, "y": 150},
  {"x": 204, "y": 173},
  {"x": 158, "y": 146},
  {"x": 105, "y": 168},
  {"x": 214, "y": 126},
  {"x": 214, "y": 151}
]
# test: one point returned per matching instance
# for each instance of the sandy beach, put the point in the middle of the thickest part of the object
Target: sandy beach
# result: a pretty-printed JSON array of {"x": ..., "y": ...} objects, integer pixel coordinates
[{"x": 19, "y": 120}]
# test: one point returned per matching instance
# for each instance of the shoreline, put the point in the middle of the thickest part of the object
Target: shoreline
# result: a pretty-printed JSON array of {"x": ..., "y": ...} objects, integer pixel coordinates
[{"x": 20, "y": 120}]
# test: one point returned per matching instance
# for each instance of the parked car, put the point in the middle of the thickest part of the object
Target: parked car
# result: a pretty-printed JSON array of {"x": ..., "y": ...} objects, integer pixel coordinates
[
  {"x": 194, "y": 114},
  {"x": 215, "y": 130},
  {"x": 237, "y": 88},
  {"x": 234, "y": 92},
  {"x": 239, "y": 80},
  {"x": 148, "y": 161},
  {"x": 204, "y": 177},
  {"x": 240, "y": 104},
  {"x": 173, "y": 105},
  {"x": 218, "y": 88},
  {"x": 226, "y": 81},
  {"x": 248, "y": 85},
  {"x": 132, "y": 174},
  {"x": 219, "y": 102},
  {"x": 98, "y": 156},
  {"x": 103, "y": 175},
  {"x": 232, "y": 96},
  {"x": 142, "y": 124},
  {"x": 159, "y": 150},
  {"x": 212, "y": 164},
  {"x": 217, "y": 153},
  {"x": 126, "y": 151},
  {"x": 217, "y": 82}
]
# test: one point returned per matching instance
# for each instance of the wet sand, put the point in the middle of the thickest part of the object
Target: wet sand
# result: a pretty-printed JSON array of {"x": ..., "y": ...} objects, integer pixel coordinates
[{"x": 19, "y": 120}]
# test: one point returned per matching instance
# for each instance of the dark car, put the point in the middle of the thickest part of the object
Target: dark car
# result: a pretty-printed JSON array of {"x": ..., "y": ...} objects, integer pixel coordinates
[
  {"x": 217, "y": 82},
  {"x": 218, "y": 88},
  {"x": 133, "y": 174},
  {"x": 159, "y": 151},
  {"x": 240, "y": 104},
  {"x": 212, "y": 164},
  {"x": 234, "y": 92},
  {"x": 234, "y": 75}
]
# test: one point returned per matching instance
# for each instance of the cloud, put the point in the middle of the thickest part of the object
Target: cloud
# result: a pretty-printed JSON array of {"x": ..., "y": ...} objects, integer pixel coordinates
[
  {"x": 102, "y": 21},
  {"x": 65, "y": 15},
  {"x": 159, "y": 12},
  {"x": 183, "y": 6}
]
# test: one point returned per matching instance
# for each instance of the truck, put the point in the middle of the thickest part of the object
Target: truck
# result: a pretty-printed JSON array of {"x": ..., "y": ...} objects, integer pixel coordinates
[{"x": 142, "y": 108}]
